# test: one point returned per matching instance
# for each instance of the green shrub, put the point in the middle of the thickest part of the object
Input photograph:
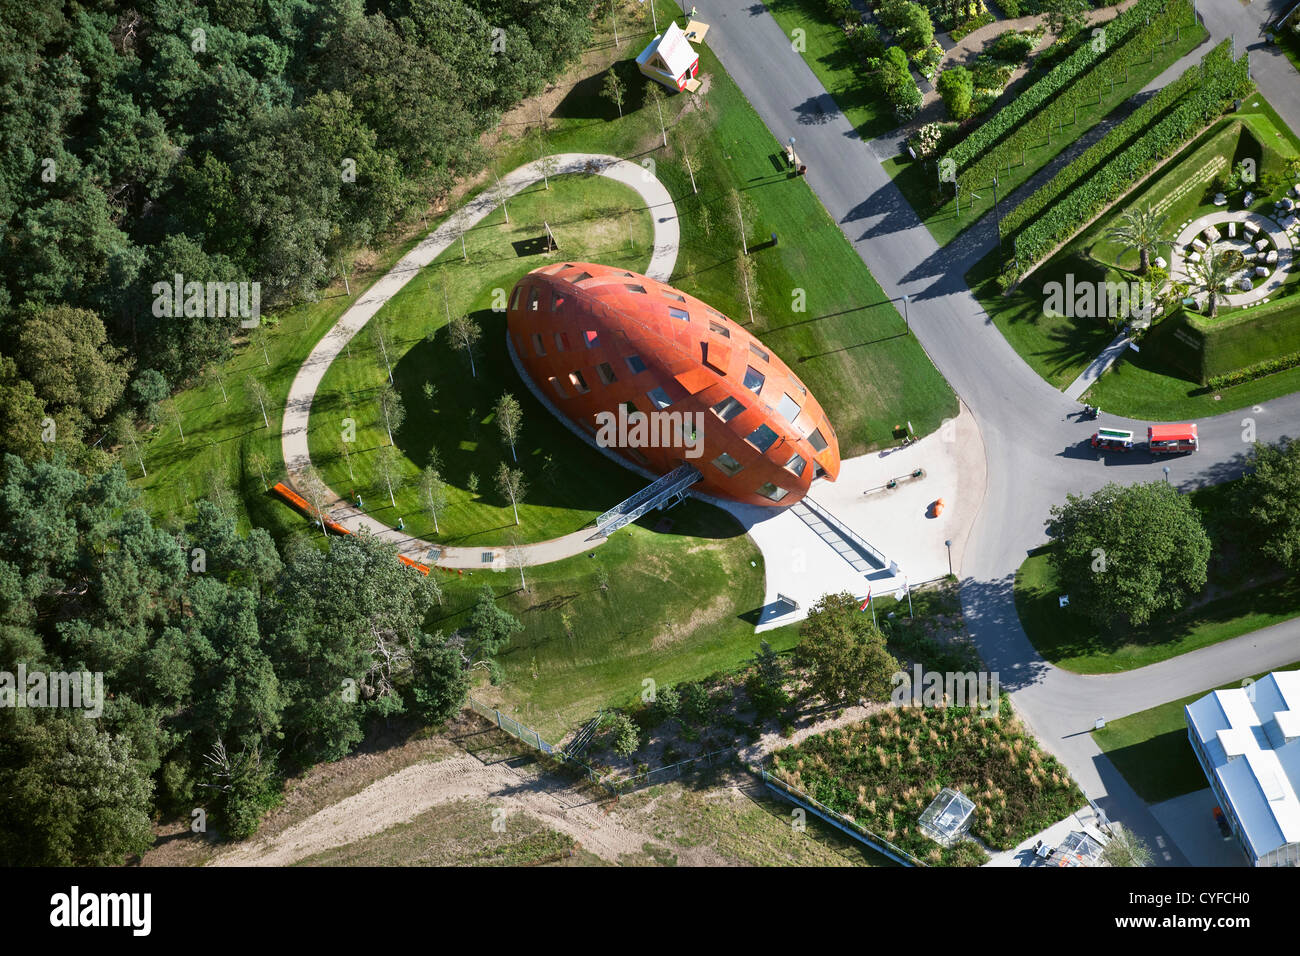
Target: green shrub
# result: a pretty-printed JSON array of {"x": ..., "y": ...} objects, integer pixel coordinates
[
  {"x": 668, "y": 702},
  {"x": 840, "y": 9},
  {"x": 956, "y": 87},
  {"x": 897, "y": 84},
  {"x": 990, "y": 75},
  {"x": 1013, "y": 46},
  {"x": 696, "y": 705},
  {"x": 866, "y": 41},
  {"x": 1252, "y": 372},
  {"x": 928, "y": 60}
]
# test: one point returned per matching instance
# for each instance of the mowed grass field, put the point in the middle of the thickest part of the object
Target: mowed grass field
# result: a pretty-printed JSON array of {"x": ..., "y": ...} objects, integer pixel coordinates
[
  {"x": 1151, "y": 749},
  {"x": 593, "y": 219},
  {"x": 681, "y": 604},
  {"x": 827, "y": 53},
  {"x": 1072, "y": 642}
]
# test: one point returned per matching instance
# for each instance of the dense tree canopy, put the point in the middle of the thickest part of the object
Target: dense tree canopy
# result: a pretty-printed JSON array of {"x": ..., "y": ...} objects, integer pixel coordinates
[
  {"x": 227, "y": 141},
  {"x": 1129, "y": 552},
  {"x": 224, "y": 663}
]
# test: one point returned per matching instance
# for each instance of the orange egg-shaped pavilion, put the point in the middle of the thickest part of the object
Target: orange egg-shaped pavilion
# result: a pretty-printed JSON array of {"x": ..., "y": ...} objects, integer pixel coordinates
[{"x": 664, "y": 380}]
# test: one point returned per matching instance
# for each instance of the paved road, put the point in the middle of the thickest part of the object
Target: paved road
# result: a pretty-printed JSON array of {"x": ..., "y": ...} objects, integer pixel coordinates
[
  {"x": 293, "y": 438},
  {"x": 1031, "y": 431}
]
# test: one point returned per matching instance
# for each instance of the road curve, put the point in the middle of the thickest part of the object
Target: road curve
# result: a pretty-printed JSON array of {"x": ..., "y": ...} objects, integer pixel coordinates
[{"x": 1031, "y": 431}]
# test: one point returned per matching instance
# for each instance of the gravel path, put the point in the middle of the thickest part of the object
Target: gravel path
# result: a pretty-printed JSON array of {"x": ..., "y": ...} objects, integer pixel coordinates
[{"x": 297, "y": 457}]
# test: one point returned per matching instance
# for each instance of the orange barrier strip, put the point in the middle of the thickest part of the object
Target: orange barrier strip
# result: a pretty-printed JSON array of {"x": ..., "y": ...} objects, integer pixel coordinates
[
  {"x": 415, "y": 564},
  {"x": 301, "y": 503}
]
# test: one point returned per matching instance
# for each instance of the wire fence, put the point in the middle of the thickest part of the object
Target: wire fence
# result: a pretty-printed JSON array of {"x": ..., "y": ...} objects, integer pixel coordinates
[
  {"x": 609, "y": 781},
  {"x": 839, "y": 821},
  {"x": 670, "y": 772},
  {"x": 513, "y": 727}
]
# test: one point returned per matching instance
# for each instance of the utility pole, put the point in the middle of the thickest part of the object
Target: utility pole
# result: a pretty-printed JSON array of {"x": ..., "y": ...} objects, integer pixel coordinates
[
  {"x": 501, "y": 192},
  {"x": 996, "y": 211}
]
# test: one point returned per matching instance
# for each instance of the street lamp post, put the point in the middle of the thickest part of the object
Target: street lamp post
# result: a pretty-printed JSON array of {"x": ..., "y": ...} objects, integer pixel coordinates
[
  {"x": 1166, "y": 470},
  {"x": 996, "y": 211},
  {"x": 948, "y": 544},
  {"x": 906, "y": 321}
]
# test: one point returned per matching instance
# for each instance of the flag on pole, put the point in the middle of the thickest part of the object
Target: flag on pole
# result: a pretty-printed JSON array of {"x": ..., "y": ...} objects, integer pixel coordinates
[{"x": 867, "y": 603}]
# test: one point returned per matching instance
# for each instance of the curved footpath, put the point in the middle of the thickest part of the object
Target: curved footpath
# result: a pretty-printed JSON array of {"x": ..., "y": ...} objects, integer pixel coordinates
[
  {"x": 293, "y": 439},
  {"x": 1032, "y": 435}
]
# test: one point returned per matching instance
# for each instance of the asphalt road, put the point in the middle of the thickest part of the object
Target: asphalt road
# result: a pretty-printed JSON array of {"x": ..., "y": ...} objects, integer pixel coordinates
[{"x": 1032, "y": 433}]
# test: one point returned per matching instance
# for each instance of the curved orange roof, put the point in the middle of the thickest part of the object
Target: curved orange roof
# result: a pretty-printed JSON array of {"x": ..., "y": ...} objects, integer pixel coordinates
[{"x": 662, "y": 378}]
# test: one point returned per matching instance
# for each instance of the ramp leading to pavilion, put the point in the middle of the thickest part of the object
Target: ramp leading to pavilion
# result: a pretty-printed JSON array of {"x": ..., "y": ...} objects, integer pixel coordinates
[{"x": 663, "y": 492}]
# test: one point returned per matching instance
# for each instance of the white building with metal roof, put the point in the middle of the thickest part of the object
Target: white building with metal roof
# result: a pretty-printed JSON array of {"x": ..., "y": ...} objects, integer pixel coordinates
[
  {"x": 1248, "y": 742},
  {"x": 670, "y": 59}
]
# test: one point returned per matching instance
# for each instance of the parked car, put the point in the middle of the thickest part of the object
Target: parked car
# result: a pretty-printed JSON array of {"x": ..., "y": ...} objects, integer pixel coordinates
[{"x": 1224, "y": 826}]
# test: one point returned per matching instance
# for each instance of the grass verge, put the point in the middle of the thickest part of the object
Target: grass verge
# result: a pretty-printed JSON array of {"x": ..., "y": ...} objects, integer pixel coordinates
[
  {"x": 1150, "y": 748},
  {"x": 1074, "y": 643}
]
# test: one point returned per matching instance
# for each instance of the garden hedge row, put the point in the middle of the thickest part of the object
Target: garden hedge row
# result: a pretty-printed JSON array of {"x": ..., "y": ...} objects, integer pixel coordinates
[
  {"x": 1144, "y": 13},
  {"x": 1064, "y": 106},
  {"x": 1243, "y": 375},
  {"x": 1220, "y": 84},
  {"x": 1144, "y": 116}
]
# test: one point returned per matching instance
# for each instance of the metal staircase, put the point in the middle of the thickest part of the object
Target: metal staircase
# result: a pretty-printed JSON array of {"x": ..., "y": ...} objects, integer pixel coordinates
[
  {"x": 847, "y": 543},
  {"x": 582, "y": 740},
  {"x": 663, "y": 492}
]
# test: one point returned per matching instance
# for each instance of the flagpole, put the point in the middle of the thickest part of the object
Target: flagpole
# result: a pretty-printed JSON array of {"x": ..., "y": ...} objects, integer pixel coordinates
[
  {"x": 908, "y": 588},
  {"x": 871, "y": 604}
]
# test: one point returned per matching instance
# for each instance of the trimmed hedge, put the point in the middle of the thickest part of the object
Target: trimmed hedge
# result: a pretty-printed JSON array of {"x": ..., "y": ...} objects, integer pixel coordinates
[
  {"x": 973, "y": 153},
  {"x": 1101, "y": 151},
  {"x": 1220, "y": 83},
  {"x": 1243, "y": 375}
]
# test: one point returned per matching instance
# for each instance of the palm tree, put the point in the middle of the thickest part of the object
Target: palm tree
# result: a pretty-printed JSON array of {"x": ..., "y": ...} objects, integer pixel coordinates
[
  {"x": 1213, "y": 271},
  {"x": 1140, "y": 229}
]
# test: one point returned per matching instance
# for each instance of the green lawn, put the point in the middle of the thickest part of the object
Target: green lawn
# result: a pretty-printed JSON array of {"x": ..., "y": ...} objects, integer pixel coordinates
[
  {"x": 1144, "y": 387},
  {"x": 938, "y": 210},
  {"x": 593, "y": 218},
  {"x": 1055, "y": 347},
  {"x": 222, "y": 433},
  {"x": 1151, "y": 750},
  {"x": 827, "y": 53},
  {"x": 681, "y": 605},
  {"x": 1072, "y": 642}
]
